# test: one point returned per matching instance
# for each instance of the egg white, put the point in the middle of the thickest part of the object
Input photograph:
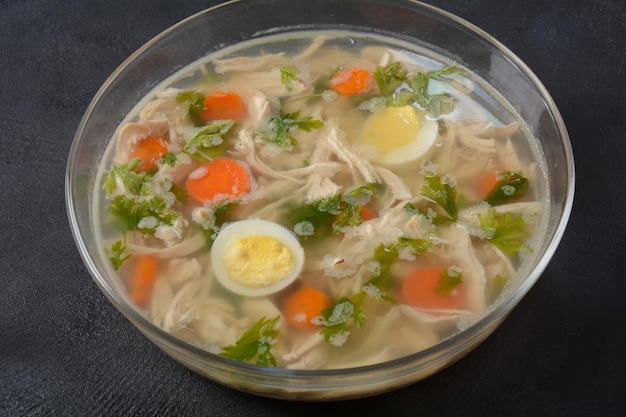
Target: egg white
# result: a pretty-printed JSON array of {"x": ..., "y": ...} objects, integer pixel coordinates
[
  {"x": 233, "y": 232},
  {"x": 416, "y": 148}
]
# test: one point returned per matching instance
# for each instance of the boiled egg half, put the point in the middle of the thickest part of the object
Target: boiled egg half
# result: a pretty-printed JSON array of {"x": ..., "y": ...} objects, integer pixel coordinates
[
  {"x": 399, "y": 134},
  {"x": 256, "y": 257}
]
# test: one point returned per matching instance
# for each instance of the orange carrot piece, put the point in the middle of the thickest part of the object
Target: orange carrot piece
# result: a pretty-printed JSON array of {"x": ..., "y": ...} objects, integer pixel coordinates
[
  {"x": 419, "y": 290},
  {"x": 367, "y": 214},
  {"x": 352, "y": 81},
  {"x": 141, "y": 282},
  {"x": 302, "y": 305},
  {"x": 486, "y": 183},
  {"x": 222, "y": 177},
  {"x": 149, "y": 150},
  {"x": 222, "y": 105}
]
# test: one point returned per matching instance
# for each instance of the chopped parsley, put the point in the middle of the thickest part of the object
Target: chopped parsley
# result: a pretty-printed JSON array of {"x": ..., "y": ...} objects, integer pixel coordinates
[
  {"x": 195, "y": 103},
  {"x": 169, "y": 159},
  {"x": 282, "y": 125},
  {"x": 441, "y": 191},
  {"x": 219, "y": 215},
  {"x": 510, "y": 185},
  {"x": 288, "y": 76},
  {"x": 255, "y": 343},
  {"x": 499, "y": 282},
  {"x": 141, "y": 215},
  {"x": 394, "y": 84},
  {"x": 205, "y": 144},
  {"x": 438, "y": 103},
  {"x": 389, "y": 78},
  {"x": 132, "y": 180},
  {"x": 506, "y": 231},
  {"x": 117, "y": 254},
  {"x": 336, "y": 319},
  {"x": 449, "y": 279},
  {"x": 332, "y": 214}
]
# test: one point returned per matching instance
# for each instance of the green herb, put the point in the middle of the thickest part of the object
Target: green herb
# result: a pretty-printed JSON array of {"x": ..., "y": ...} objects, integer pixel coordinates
[
  {"x": 335, "y": 319},
  {"x": 445, "y": 74},
  {"x": 255, "y": 343},
  {"x": 219, "y": 215},
  {"x": 350, "y": 216},
  {"x": 438, "y": 103},
  {"x": 282, "y": 125},
  {"x": 442, "y": 193},
  {"x": 133, "y": 181},
  {"x": 169, "y": 159},
  {"x": 117, "y": 254},
  {"x": 389, "y": 78},
  {"x": 449, "y": 279},
  {"x": 510, "y": 185},
  {"x": 506, "y": 231},
  {"x": 498, "y": 283},
  {"x": 287, "y": 76},
  {"x": 332, "y": 214},
  {"x": 332, "y": 205},
  {"x": 143, "y": 216},
  {"x": 179, "y": 192},
  {"x": 360, "y": 195},
  {"x": 195, "y": 103},
  {"x": 205, "y": 144}
]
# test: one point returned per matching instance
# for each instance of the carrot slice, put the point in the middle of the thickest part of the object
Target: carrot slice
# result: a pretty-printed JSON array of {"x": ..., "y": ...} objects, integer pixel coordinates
[
  {"x": 302, "y": 305},
  {"x": 420, "y": 289},
  {"x": 223, "y": 105},
  {"x": 141, "y": 282},
  {"x": 223, "y": 178},
  {"x": 352, "y": 81},
  {"x": 149, "y": 150},
  {"x": 486, "y": 183},
  {"x": 367, "y": 214}
]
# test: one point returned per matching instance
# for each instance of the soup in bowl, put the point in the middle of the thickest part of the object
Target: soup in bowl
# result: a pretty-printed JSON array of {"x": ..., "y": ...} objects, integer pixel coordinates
[{"x": 320, "y": 208}]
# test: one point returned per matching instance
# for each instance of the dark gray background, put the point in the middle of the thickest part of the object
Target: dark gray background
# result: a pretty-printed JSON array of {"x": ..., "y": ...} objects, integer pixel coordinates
[{"x": 64, "y": 350}]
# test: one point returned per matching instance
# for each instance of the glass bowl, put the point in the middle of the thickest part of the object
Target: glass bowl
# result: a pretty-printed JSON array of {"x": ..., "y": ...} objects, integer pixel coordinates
[{"x": 236, "y": 21}]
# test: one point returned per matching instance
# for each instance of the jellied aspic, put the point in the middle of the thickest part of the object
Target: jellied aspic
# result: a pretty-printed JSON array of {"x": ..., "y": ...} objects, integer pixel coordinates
[{"x": 319, "y": 202}]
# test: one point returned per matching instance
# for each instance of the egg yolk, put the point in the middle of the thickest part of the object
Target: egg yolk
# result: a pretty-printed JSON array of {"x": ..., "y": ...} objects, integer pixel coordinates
[
  {"x": 258, "y": 261},
  {"x": 392, "y": 128}
]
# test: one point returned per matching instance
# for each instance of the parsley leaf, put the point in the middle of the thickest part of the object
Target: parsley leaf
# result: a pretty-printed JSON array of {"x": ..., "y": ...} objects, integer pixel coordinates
[
  {"x": 330, "y": 214},
  {"x": 499, "y": 282},
  {"x": 206, "y": 142},
  {"x": 350, "y": 216},
  {"x": 360, "y": 195},
  {"x": 510, "y": 185},
  {"x": 143, "y": 216},
  {"x": 132, "y": 181},
  {"x": 443, "y": 193},
  {"x": 449, "y": 279},
  {"x": 287, "y": 76},
  {"x": 195, "y": 103},
  {"x": 506, "y": 231},
  {"x": 255, "y": 342},
  {"x": 282, "y": 125},
  {"x": 438, "y": 103},
  {"x": 169, "y": 159},
  {"x": 336, "y": 318},
  {"x": 445, "y": 73},
  {"x": 389, "y": 78},
  {"x": 117, "y": 254},
  {"x": 219, "y": 215}
]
